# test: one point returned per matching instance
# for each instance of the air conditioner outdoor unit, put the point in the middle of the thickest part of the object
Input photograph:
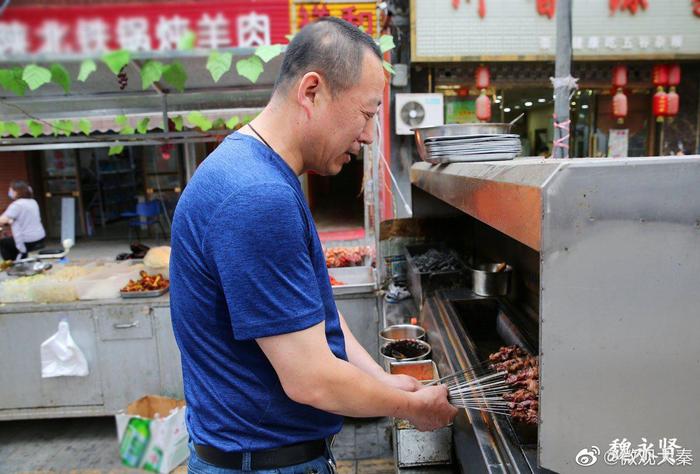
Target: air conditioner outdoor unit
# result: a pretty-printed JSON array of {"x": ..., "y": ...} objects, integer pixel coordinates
[{"x": 418, "y": 110}]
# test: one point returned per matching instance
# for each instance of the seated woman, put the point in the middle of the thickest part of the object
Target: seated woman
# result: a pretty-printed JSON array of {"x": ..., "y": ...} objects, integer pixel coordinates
[{"x": 25, "y": 221}]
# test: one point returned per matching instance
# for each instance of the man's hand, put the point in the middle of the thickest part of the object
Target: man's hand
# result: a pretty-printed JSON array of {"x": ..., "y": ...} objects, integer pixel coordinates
[
  {"x": 402, "y": 382},
  {"x": 431, "y": 409}
]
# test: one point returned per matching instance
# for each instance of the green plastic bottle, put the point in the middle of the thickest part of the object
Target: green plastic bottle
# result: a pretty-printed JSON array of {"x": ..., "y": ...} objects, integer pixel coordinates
[{"x": 135, "y": 441}]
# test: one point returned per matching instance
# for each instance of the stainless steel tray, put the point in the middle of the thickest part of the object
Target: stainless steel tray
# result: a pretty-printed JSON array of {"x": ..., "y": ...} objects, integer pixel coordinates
[
  {"x": 143, "y": 294},
  {"x": 355, "y": 279}
]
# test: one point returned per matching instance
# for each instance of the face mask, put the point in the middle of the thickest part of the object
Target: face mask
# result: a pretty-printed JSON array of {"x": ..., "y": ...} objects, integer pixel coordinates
[{"x": 11, "y": 194}]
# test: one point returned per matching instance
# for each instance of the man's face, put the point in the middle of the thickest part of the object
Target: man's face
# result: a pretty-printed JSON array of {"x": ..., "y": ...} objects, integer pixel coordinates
[{"x": 345, "y": 122}]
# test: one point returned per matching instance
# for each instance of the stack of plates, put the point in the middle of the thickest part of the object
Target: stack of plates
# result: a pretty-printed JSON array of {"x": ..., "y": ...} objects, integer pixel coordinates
[{"x": 485, "y": 147}]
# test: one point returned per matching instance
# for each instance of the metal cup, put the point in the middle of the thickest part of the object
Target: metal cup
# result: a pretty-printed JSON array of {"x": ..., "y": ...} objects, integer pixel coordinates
[
  {"x": 401, "y": 331},
  {"x": 486, "y": 281}
]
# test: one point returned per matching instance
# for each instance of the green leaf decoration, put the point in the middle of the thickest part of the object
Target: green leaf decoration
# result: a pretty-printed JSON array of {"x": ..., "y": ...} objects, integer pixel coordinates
[
  {"x": 199, "y": 120},
  {"x": 85, "y": 126},
  {"x": 35, "y": 128},
  {"x": 115, "y": 150},
  {"x": 151, "y": 72},
  {"x": 219, "y": 123},
  {"x": 219, "y": 64},
  {"x": 175, "y": 75},
  {"x": 11, "y": 80},
  {"x": 142, "y": 126},
  {"x": 2, "y": 128},
  {"x": 63, "y": 126},
  {"x": 127, "y": 131},
  {"x": 187, "y": 41},
  {"x": 35, "y": 76},
  {"x": 121, "y": 120},
  {"x": 232, "y": 122},
  {"x": 87, "y": 67},
  {"x": 268, "y": 52},
  {"x": 179, "y": 122},
  {"x": 60, "y": 76},
  {"x": 386, "y": 43},
  {"x": 389, "y": 67},
  {"x": 362, "y": 29},
  {"x": 250, "y": 68},
  {"x": 116, "y": 60},
  {"x": 290, "y": 37},
  {"x": 12, "y": 128}
]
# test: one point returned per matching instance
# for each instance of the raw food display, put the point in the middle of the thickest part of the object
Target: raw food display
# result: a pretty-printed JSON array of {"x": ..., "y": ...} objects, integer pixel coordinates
[
  {"x": 146, "y": 283},
  {"x": 338, "y": 257}
]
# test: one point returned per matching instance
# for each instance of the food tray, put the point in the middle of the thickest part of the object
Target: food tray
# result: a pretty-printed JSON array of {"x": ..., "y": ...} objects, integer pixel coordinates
[
  {"x": 355, "y": 279},
  {"x": 423, "y": 284},
  {"x": 144, "y": 294}
]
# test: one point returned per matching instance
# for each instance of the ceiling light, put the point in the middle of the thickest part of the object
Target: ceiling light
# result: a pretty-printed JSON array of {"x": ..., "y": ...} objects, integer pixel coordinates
[
  {"x": 573, "y": 103},
  {"x": 528, "y": 104},
  {"x": 541, "y": 101},
  {"x": 506, "y": 110},
  {"x": 584, "y": 106},
  {"x": 497, "y": 101},
  {"x": 499, "y": 97},
  {"x": 517, "y": 107}
]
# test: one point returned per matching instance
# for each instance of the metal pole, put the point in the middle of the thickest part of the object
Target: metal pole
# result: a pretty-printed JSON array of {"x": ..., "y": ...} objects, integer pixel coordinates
[{"x": 562, "y": 87}]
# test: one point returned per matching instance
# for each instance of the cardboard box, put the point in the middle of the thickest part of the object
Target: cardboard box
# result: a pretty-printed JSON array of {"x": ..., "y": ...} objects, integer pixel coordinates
[{"x": 152, "y": 434}]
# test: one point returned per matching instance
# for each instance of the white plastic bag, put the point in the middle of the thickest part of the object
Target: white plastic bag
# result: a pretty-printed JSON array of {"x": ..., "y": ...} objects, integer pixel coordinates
[{"x": 61, "y": 356}]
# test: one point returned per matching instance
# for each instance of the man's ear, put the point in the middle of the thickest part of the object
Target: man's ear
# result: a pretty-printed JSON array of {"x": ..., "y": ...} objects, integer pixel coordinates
[{"x": 308, "y": 90}]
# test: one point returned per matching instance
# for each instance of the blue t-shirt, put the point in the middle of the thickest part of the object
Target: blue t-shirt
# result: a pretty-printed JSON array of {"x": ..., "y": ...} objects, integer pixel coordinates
[{"x": 246, "y": 263}]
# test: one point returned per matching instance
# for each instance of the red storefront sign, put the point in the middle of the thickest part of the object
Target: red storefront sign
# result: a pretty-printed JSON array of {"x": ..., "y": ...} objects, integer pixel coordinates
[
  {"x": 94, "y": 28},
  {"x": 631, "y": 5}
]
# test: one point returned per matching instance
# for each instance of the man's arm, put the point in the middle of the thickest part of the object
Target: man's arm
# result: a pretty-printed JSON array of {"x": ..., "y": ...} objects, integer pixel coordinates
[
  {"x": 358, "y": 356},
  {"x": 5, "y": 220},
  {"x": 311, "y": 374}
]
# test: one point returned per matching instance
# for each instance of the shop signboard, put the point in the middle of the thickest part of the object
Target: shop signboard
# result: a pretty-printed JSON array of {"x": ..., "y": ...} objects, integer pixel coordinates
[
  {"x": 511, "y": 30},
  {"x": 361, "y": 14},
  {"x": 90, "y": 29}
]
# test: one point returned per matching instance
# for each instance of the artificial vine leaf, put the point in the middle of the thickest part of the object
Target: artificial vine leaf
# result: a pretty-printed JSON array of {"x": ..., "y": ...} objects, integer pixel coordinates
[
  {"x": 35, "y": 76},
  {"x": 250, "y": 68},
  {"x": 116, "y": 60},
  {"x": 87, "y": 67},
  {"x": 199, "y": 120},
  {"x": 187, "y": 41},
  {"x": 268, "y": 52},
  {"x": 219, "y": 64},
  {"x": 85, "y": 126},
  {"x": 219, "y": 123},
  {"x": 12, "y": 128},
  {"x": 151, "y": 72},
  {"x": 60, "y": 76},
  {"x": 64, "y": 127},
  {"x": 121, "y": 120},
  {"x": 175, "y": 75},
  {"x": 142, "y": 126},
  {"x": 128, "y": 130},
  {"x": 35, "y": 128},
  {"x": 2, "y": 128},
  {"x": 290, "y": 37},
  {"x": 11, "y": 80},
  {"x": 232, "y": 122},
  {"x": 389, "y": 67},
  {"x": 386, "y": 43},
  {"x": 115, "y": 150},
  {"x": 179, "y": 122}
]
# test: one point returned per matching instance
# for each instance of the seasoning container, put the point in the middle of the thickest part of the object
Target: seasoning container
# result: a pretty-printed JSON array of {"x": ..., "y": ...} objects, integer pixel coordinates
[
  {"x": 404, "y": 350},
  {"x": 401, "y": 331},
  {"x": 491, "y": 279}
]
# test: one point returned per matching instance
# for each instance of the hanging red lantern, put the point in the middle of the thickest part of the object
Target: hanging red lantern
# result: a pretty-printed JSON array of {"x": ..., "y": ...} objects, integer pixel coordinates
[
  {"x": 660, "y": 104},
  {"x": 482, "y": 77},
  {"x": 674, "y": 74},
  {"x": 619, "y": 76},
  {"x": 659, "y": 75},
  {"x": 619, "y": 106},
  {"x": 483, "y": 107},
  {"x": 673, "y": 102}
]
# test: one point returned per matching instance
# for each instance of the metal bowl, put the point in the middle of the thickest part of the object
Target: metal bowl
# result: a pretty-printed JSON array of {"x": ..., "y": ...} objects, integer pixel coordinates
[
  {"x": 388, "y": 358},
  {"x": 456, "y": 129},
  {"x": 487, "y": 281},
  {"x": 401, "y": 331}
]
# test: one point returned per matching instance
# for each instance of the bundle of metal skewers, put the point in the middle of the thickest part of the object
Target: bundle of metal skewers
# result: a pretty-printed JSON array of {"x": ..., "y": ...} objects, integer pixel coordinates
[{"x": 478, "y": 389}]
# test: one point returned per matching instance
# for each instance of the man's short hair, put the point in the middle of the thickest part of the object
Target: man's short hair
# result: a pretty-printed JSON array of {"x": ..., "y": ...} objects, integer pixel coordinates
[
  {"x": 23, "y": 190},
  {"x": 331, "y": 47}
]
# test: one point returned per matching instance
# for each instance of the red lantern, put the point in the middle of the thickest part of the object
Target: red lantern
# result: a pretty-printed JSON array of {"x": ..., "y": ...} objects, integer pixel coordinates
[
  {"x": 619, "y": 76},
  {"x": 660, "y": 104},
  {"x": 483, "y": 107},
  {"x": 674, "y": 74},
  {"x": 659, "y": 75},
  {"x": 483, "y": 77},
  {"x": 673, "y": 102},
  {"x": 619, "y": 106}
]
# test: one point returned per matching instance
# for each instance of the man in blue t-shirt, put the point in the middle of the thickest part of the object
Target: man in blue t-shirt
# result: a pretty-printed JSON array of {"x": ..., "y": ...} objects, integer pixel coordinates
[{"x": 270, "y": 367}]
